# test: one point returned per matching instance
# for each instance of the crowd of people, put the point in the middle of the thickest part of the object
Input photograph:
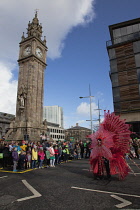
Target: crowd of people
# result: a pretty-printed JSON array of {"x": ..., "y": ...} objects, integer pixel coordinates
[
  {"x": 135, "y": 148},
  {"x": 26, "y": 155}
]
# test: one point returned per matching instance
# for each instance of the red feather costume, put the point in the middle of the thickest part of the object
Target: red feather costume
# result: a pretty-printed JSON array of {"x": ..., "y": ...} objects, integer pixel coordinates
[{"x": 111, "y": 142}]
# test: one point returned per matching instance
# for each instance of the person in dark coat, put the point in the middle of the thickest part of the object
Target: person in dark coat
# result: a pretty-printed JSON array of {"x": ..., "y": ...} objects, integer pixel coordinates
[{"x": 6, "y": 155}]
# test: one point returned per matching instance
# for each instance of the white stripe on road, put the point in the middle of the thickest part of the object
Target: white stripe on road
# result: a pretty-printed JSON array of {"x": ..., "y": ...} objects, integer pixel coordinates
[
  {"x": 124, "y": 202},
  {"x": 3, "y": 177},
  {"x": 133, "y": 173},
  {"x": 107, "y": 192},
  {"x": 36, "y": 194}
]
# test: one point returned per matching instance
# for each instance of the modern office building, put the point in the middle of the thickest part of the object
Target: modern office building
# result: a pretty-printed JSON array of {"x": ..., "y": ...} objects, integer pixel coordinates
[
  {"x": 53, "y": 114},
  {"x": 124, "y": 55}
]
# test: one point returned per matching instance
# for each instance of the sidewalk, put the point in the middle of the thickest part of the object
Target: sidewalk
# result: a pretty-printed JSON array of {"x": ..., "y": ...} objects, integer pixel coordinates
[{"x": 9, "y": 169}]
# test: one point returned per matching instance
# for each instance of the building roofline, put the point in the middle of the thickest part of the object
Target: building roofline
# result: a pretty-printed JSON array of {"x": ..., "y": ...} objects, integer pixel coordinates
[{"x": 122, "y": 24}]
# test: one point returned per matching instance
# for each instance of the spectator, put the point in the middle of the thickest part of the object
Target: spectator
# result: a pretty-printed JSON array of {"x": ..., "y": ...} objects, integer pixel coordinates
[
  {"x": 41, "y": 157},
  {"x": 47, "y": 157},
  {"x": 15, "y": 158},
  {"x": 34, "y": 156},
  {"x": 52, "y": 156},
  {"x": 22, "y": 160},
  {"x": 78, "y": 151},
  {"x": 28, "y": 159},
  {"x": 6, "y": 155},
  {"x": 56, "y": 154}
]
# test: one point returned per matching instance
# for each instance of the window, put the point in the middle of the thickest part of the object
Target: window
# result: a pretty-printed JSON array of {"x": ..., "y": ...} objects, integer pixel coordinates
[
  {"x": 129, "y": 29},
  {"x": 112, "y": 54},
  {"x": 117, "y": 107},
  {"x": 136, "y": 47},
  {"x": 137, "y": 60},
  {"x": 113, "y": 66},
  {"x": 116, "y": 94},
  {"x": 114, "y": 79},
  {"x": 138, "y": 75},
  {"x": 135, "y": 28}
]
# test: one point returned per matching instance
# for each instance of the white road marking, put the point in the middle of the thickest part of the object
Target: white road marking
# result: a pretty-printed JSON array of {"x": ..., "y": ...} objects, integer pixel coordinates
[
  {"x": 121, "y": 205},
  {"x": 3, "y": 177},
  {"x": 107, "y": 192},
  {"x": 133, "y": 173},
  {"x": 36, "y": 194}
]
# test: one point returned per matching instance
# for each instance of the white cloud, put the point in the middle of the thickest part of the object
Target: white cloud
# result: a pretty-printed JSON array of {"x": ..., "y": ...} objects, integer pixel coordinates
[
  {"x": 84, "y": 109},
  {"x": 58, "y": 18},
  {"x": 8, "y": 89}
]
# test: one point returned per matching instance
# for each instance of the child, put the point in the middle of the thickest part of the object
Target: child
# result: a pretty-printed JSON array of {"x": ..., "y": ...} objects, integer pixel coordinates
[
  {"x": 47, "y": 156},
  {"x": 52, "y": 156},
  {"x": 22, "y": 159},
  {"x": 15, "y": 158},
  {"x": 41, "y": 157},
  {"x": 28, "y": 159}
]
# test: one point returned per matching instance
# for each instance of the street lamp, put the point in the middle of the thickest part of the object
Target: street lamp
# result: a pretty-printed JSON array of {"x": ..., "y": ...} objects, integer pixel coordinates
[
  {"x": 99, "y": 114},
  {"x": 90, "y": 97}
]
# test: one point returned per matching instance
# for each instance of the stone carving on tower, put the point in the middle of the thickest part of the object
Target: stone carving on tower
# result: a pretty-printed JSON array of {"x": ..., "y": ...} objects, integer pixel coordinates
[{"x": 32, "y": 63}]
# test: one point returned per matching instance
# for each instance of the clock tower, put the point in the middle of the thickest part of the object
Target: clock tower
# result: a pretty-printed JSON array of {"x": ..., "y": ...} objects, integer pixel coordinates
[{"x": 29, "y": 107}]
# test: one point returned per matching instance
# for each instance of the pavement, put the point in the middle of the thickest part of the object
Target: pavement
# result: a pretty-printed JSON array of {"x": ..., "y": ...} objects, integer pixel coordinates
[{"x": 69, "y": 186}]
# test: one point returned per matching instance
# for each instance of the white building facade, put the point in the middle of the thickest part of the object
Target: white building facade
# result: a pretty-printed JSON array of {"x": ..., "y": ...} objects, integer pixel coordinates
[
  {"x": 55, "y": 133},
  {"x": 53, "y": 114}
]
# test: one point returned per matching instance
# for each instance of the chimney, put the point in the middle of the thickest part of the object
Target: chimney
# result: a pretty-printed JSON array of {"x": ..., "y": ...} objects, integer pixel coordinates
[{"x": 77, "y": 124}]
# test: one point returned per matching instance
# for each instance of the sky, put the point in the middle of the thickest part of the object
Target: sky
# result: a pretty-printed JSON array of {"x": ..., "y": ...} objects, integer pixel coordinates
[{"x": 76, "y": 33}]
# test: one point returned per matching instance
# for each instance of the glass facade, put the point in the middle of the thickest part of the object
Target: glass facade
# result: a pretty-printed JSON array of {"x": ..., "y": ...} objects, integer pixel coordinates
[
  {"x": 114, "y": 79},
  {"x": 116, "y": 94},
  {"x": 137, "y": 60},
  {"x": 113, "y": 66},
  {"x": 53, "y": 114},
  {"x": 126, "y": 33},
  {"x": 112, "y": 53},
  {"x": 136, "y": 47}
]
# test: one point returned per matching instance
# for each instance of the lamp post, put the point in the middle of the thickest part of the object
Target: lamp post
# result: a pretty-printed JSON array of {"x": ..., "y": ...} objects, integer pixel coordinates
[
  {"x": 99, "y": 114},
  {"x": 90, "y": 97}
]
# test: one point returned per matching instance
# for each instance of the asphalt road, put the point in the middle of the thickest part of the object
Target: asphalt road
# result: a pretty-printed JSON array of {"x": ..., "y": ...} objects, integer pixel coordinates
[{"x": 69, "y": 186}]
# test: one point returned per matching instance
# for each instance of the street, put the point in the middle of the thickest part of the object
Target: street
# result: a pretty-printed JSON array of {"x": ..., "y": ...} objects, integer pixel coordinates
[{"x": 69, "y": 186}]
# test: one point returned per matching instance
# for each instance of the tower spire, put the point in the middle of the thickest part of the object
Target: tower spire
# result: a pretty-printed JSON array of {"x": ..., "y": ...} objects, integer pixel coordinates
[
  {"x": 36, "y": 12},
  {"x": 34, "y": 28}
]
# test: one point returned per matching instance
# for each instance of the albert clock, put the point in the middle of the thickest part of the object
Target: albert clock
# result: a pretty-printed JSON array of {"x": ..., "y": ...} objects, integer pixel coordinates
[{"x": 32, "y": 63}]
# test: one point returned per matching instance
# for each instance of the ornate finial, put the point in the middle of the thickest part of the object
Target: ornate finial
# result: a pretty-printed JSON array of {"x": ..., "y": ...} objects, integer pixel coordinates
[
  {"x": 23, "y": 37},
  {"x": 44, "y": 40},
  {"x": 34, "y": 28},
  {"x": 36, "y": 12}
]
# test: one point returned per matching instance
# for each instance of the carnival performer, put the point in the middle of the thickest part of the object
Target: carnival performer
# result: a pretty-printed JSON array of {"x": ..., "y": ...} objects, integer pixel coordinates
[{"x": 109, "y": 146}]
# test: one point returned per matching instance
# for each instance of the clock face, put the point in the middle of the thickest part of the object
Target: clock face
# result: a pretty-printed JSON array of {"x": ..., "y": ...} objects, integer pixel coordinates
[
  {"x": 27, "y": 51},
  {"x": 39, "y": 52}
]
